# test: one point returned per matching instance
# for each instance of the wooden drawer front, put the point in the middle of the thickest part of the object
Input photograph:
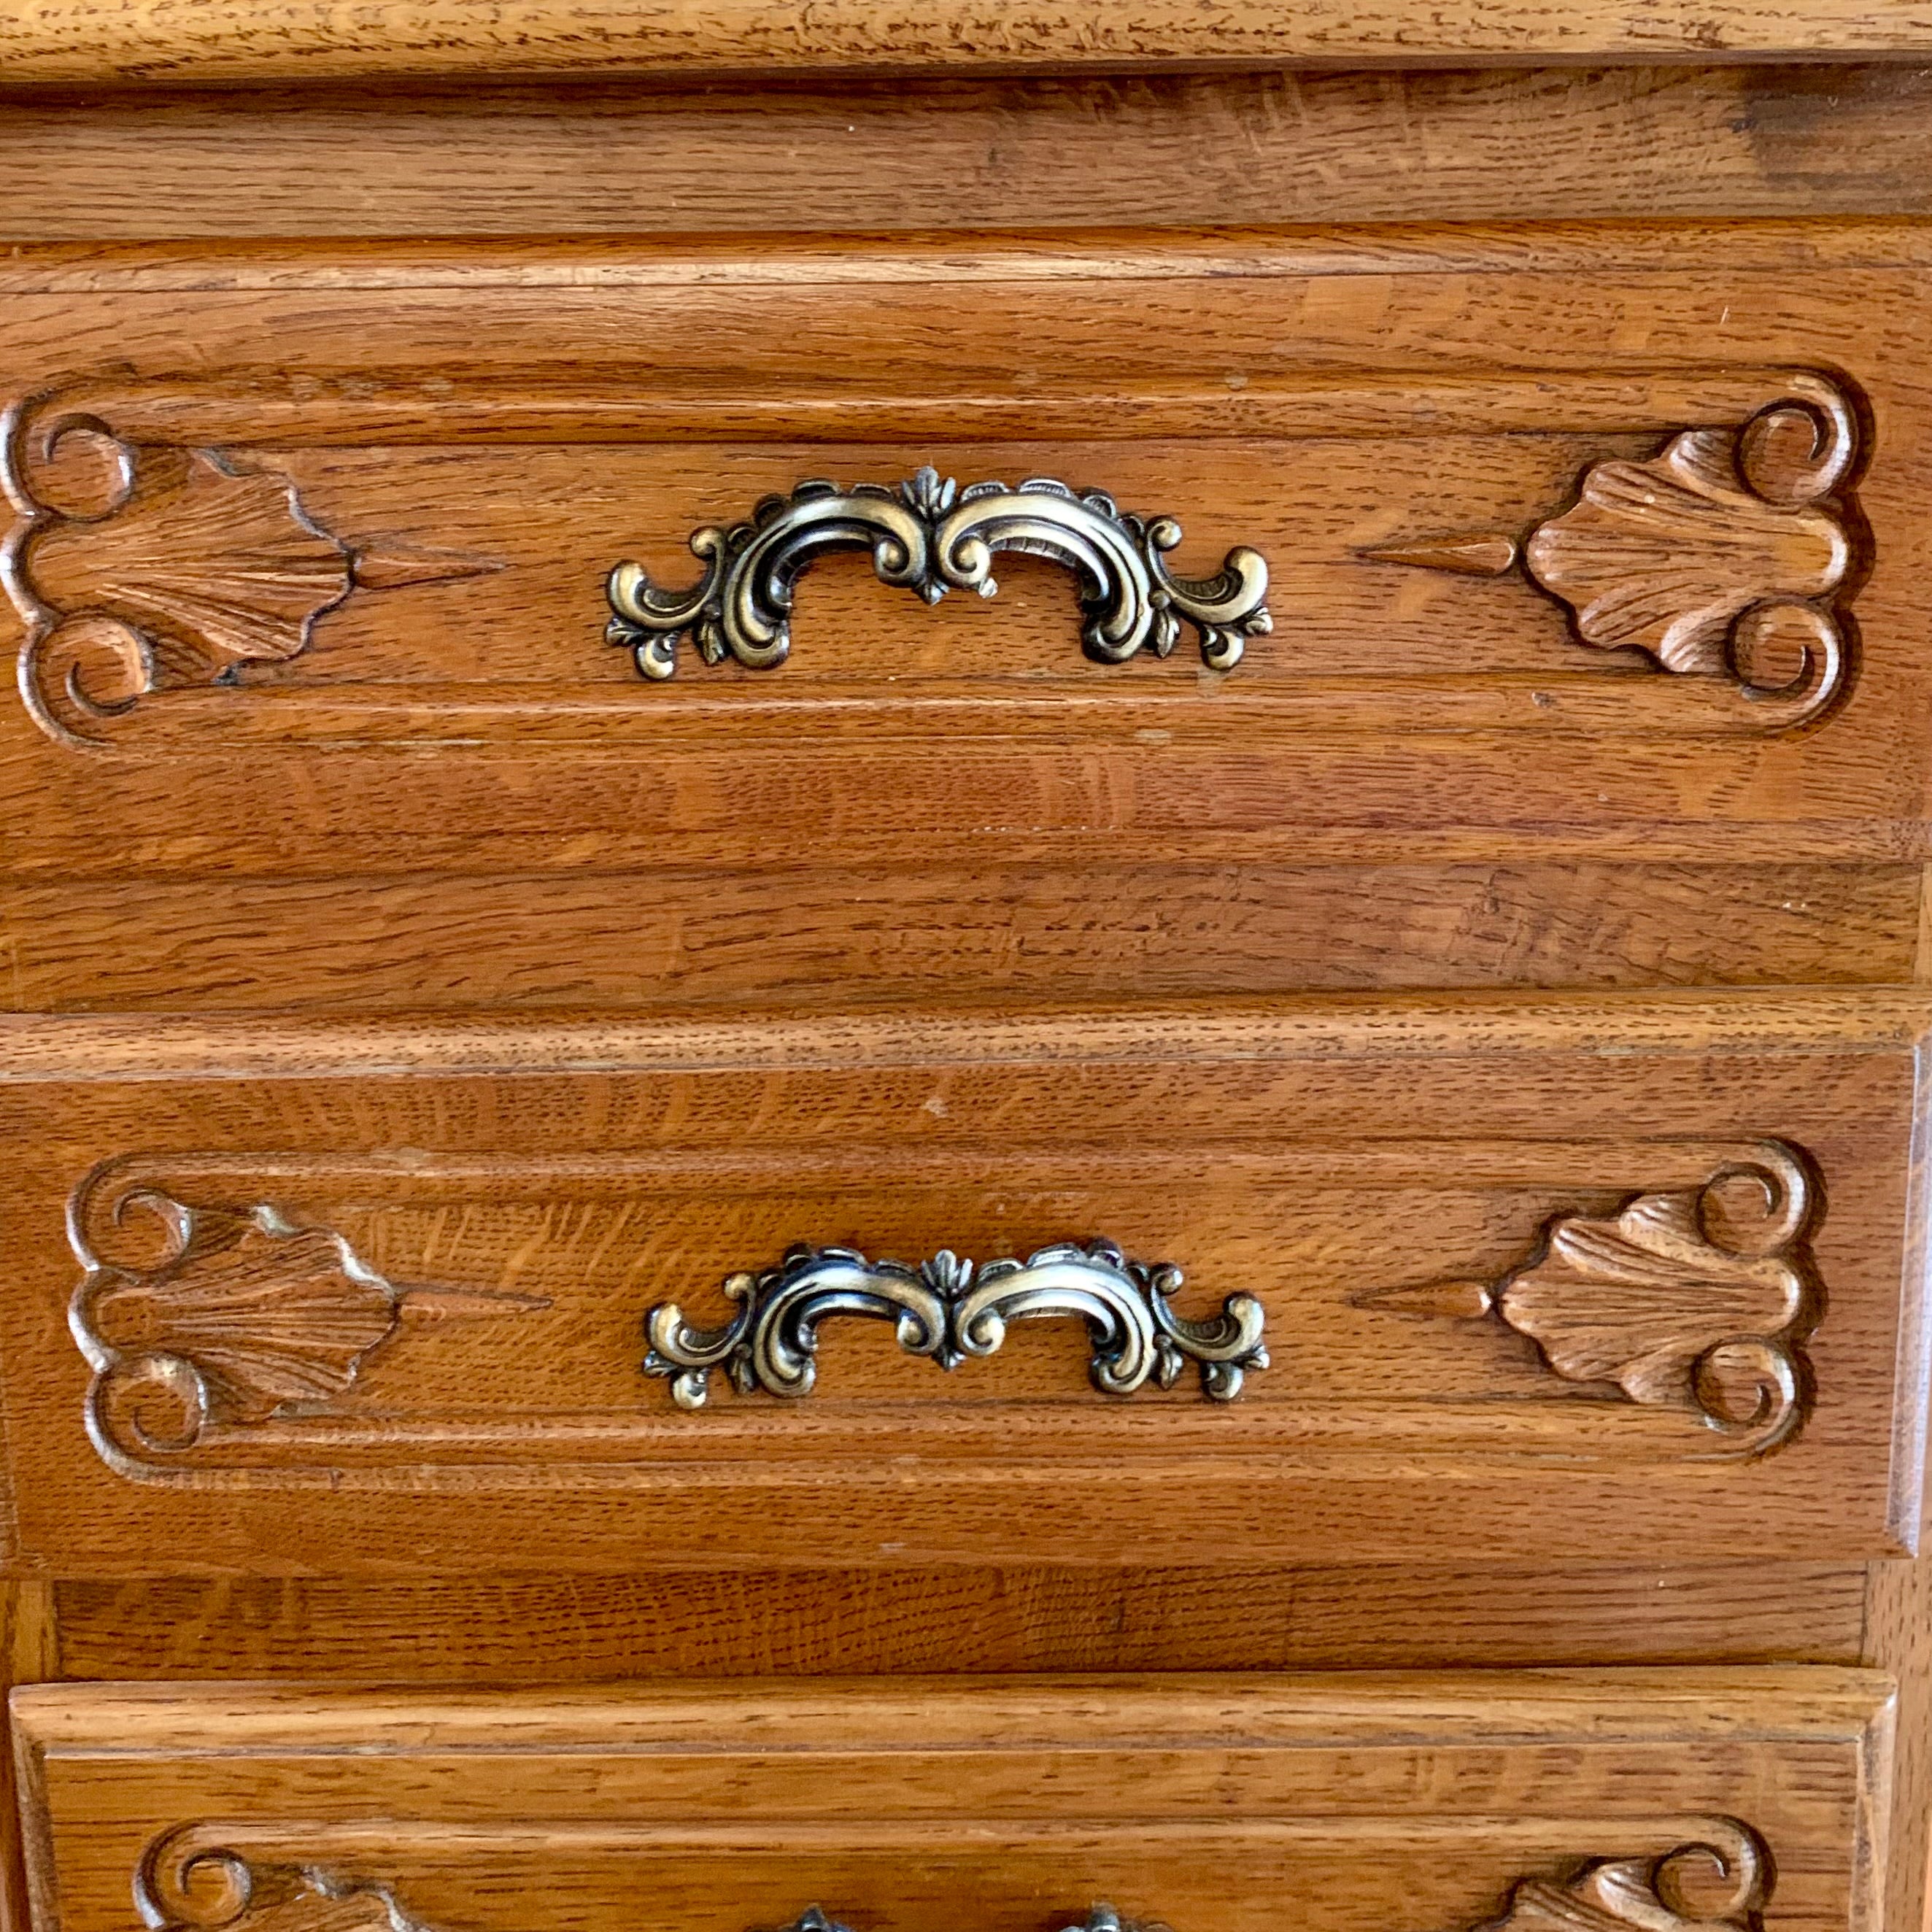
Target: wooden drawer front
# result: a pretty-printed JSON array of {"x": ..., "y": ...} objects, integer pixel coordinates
[
  {"x": 1619, "y": 1278},
  {"x": 1538, "y": 1800},
  {"x": 1548, "y": 522}
]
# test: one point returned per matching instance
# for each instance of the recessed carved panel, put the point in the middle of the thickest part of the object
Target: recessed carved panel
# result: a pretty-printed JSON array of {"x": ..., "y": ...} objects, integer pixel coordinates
[
  {"x": 231, "y": 1328},
  {"x": 188, "y": 1883},
  {"x": 168, "y": 539}
]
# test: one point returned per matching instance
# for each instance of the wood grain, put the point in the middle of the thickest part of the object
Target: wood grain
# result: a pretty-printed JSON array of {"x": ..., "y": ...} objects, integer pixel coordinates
[
  {"x": 29, "y": 1653},
  {"x": 886, "y": 1622},
  {"x": 1419, "y": 716},
  {"x": 970, "y": 153},
  {"x": 818, "y": 939},
  {"x": 527, "y": 1222},
  {"x": 166, "y": 41},
  {"x": 1360, "y": 1800},
  {"x": 686, "y": 980}
]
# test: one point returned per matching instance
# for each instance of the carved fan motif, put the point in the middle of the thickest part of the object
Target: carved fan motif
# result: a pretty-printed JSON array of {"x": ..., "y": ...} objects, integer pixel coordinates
[
  {"x": 183, "y": 1882},
  {"x": 1668, "y": 555},
  {"x": 1707, "y": 555},
  {"x": 201, "y": 1318},
  {"x": 245, "y": 1314},
  {"x": 211, "y": 566},
  {"x": 1636, "y": 1300},
  {"x": 181, "y": 567},
  {"x": 1687, "y": 1298},
  {"x": 1617, "y": 1894},
  {"x": 268, "y": 1314}
]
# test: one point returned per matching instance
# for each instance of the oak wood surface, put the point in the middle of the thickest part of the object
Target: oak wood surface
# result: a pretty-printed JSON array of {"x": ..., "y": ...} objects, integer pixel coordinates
[
  {"x": 500, "y": 1419},
  {"x": 1376, "y": 1794},
  {"x": 968, "y": 152},
  {"x": 189, "y": 40},
  {"x": 29, "y": 1653},
  {"x": 825, "y": 938},
  {"x": 561, "y": 1629},
  {"x": 186, "y": 872},
  {"x": 1491, "y": 725}
]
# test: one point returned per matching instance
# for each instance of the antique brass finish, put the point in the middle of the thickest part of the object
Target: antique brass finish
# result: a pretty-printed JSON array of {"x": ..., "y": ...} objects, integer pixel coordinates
[
  {"x": 948, "y": 1309},
  {"x": 930, "y": 536}
]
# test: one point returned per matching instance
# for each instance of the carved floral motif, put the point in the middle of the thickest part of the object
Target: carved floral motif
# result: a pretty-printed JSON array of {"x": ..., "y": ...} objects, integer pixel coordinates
[
  {"x": 1688, "y": 1298},
  {"x": 164, "y": 567},
  {"x": 1649, "y": 1894},
  {"x": 231, "y": 1316},
  {"x": 1724, "y": 543}
]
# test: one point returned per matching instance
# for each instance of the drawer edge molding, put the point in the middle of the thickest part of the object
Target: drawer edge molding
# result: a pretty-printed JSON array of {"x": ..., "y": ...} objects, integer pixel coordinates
[{"x": 190, "y": 1880}]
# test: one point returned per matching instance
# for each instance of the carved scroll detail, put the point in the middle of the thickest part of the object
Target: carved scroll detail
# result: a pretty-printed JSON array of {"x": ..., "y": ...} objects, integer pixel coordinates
[
  {"x": 947, "y": 1309},
  {"x": 165, "y": 568},
  {"x": 233, "y": 1315},
  {"x": 1723, "y": 543},
  {"x": 929, "y": 536},
  {"x": 1650, "y": 1895},
  {"x": 186, "y": 1885},
  {"x": 1688, "y": 1298}
]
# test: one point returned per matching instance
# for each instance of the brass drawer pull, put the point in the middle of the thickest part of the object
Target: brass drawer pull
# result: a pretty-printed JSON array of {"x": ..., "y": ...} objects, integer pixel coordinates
[
  {"x": 929, "y": 535},
  {"x": 948, "y": 1309}
]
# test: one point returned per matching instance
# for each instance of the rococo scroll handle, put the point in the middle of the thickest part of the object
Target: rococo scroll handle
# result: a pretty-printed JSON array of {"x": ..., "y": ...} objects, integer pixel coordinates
[
  {"x": 929, "y": 536},
  {"x": 948, "y": 1310}
]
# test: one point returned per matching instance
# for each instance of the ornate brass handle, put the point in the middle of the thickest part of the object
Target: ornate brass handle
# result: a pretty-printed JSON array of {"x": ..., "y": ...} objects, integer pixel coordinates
[
  {"x": 929, "y": 535},
  {"x": 948, "y": 1310}
]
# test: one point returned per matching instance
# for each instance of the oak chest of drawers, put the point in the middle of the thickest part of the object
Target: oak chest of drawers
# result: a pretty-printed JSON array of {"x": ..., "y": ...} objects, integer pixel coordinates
[{"x": 965, "y": 967}]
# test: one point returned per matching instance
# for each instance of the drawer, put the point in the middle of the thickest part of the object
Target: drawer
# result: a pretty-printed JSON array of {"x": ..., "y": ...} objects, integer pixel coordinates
[
  {"x": 1587, "y": 1801},
  {"x": 1625, "y": 1279},
  {"x": 1578, "y": 540}
]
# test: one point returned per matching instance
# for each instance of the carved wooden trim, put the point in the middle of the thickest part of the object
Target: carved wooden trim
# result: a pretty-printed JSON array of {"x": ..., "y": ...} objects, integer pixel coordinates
[
  {"x": 1725, "y": 544},
  {"x": 223, "y": 1315},
  {"x": 157, "y": 567},
  {"x": 1650, "y": 1894},
  {"x": 1691, "y": 1298},
  {"x": 186, "y": 1884}
]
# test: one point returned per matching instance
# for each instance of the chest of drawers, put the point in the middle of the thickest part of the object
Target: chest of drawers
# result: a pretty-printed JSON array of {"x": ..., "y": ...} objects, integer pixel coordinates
[{"x": 965, "y": 966}]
